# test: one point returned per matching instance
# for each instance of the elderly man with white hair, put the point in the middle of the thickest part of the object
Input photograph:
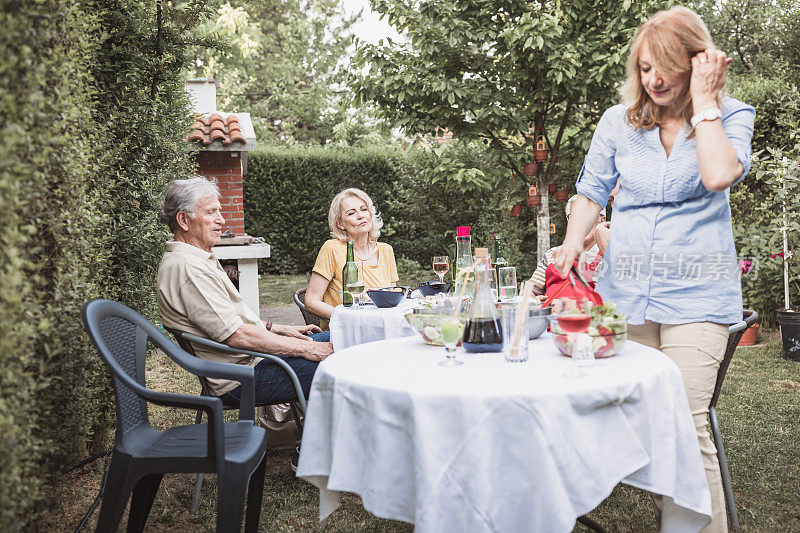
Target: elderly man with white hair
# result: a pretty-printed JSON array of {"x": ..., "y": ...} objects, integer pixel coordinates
[{"x": 195, "y": 295}]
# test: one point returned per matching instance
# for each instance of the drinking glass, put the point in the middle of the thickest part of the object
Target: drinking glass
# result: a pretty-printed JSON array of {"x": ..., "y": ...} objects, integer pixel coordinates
[
  {"x": 356, "y": 289},
  {"x": 493, "y": 286},
  {"x": 353, "y": 283},
  {"x": 514, "y": 353},
  {"x": 574, "y": 320},
  {"x": 451, "y": 333},
  {"x": 508, "y": 283},
  {"x": 441, "y": 265}
]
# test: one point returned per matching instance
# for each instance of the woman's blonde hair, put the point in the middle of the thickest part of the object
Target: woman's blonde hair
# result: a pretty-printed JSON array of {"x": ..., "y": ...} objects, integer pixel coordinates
[
  {"x": 673, "y": 36},
  {"x": 335, "y": 214}
]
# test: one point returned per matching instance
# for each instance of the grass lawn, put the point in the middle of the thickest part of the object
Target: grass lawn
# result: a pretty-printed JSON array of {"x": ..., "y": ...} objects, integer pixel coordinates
[
  {"x": 277, "y": 291},
  {"x": 759, "y": 413}
]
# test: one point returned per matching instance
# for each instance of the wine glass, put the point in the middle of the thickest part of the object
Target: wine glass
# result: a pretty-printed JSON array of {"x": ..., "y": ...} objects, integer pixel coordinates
[
  {"x": 574, "y": 320},
  {"x": 441, "y": 265},
  {"x": 356, "y": 288}
]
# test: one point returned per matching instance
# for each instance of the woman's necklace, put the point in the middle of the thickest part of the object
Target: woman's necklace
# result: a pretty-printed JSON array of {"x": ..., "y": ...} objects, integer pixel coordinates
[{"x": 370, "y": 252}]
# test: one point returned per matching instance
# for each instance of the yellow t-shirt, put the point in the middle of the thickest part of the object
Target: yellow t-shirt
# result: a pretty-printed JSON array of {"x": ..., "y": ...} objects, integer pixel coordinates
[{"x": 330, "y": 262}]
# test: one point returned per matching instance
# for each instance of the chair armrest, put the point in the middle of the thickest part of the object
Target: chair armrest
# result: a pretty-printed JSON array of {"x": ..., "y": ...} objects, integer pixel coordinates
[
  {"x": 213, "y": 369},
  {"x": 210, "y": 405},
  {"x": 750, "y": 318},
  {"x": 277, "y": 360}
]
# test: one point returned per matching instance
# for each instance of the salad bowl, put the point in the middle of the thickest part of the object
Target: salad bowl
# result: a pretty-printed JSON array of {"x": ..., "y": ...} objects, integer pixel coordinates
[{"x": 607, "y": 329}]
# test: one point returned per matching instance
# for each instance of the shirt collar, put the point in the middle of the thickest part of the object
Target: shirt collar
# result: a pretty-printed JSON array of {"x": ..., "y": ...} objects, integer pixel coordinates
[{"x": 180, "y": 246}]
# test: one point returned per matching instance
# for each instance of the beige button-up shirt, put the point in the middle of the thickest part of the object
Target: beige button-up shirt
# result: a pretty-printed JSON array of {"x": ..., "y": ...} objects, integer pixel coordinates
[{"x": 195, "y": 295}]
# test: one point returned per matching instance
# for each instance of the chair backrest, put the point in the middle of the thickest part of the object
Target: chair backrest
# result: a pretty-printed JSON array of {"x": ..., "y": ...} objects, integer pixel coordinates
[
  {"x": 735, "y": 332},
  {"x": 309, "y": 317},
  {"x": 120, "y": 336},
  {"x": 205, "y": 390}
]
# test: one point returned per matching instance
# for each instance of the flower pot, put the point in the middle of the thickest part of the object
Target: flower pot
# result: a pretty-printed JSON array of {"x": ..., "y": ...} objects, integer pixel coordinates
[
  {"x": 534, "y": 200},
  {"x": 789, "y": 322},
  {"x": 540, "y": 156},
  {"x": 561, "y": 196},
  {"x": 530, "y": 169},
  {"x": 749, "y": 336},
  {"x": 515, "y": 211},
  {"x": 552, "y": 188}
]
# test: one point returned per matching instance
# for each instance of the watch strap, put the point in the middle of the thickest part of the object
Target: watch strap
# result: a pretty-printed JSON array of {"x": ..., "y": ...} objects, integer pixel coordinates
[{"x": 709, "y": 113}]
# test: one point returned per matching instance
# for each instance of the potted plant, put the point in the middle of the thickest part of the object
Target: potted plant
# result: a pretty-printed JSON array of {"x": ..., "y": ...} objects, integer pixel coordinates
[
  {"x": 533, "y": 198},
  {"x": 562, "y": 195},
  {"x": 515, "y": 210},
  {"x": 552, "y": 187},
  {"x": 787, "y": 169}
]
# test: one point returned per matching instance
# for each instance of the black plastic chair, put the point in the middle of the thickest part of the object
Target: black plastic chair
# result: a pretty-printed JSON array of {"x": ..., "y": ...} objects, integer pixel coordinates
[
  {"x": 183, "y": 339},
  {"x": 735, "y": 333},
  {"x": 235, "y": 451},
  {"x": 309, "y": 317}
]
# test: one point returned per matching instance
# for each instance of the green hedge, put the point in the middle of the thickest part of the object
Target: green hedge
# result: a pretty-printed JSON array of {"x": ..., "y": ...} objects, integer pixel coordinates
[
  {"x": 287, "y": 194},
  {"x": 85, "y": 150}
]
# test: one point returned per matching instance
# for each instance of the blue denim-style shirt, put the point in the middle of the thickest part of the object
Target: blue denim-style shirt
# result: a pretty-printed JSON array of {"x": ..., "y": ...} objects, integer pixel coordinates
[{"x": 671, "y": 257}]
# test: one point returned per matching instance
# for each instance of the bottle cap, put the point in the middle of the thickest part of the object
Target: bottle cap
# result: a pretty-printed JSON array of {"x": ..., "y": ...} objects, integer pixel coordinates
[
  {"x": 462, "y": 231},
  {"x": 481, "y": 252}
]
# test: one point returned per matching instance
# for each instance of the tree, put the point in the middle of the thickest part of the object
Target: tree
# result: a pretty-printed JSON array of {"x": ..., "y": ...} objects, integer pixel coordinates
[
  {"x": 279, "y": 61},
  {"x": 504, "y": 73},
  {"x": 762, "y": 36}
]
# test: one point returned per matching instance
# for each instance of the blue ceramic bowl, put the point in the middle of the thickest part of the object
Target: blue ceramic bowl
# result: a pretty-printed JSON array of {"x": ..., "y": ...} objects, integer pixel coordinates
[
  {"x": 429, "y": 288},
  {"x": 387, "y": 297}
]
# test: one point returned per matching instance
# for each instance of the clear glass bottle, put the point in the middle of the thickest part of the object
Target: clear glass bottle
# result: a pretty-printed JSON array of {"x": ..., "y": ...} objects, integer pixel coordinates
[
  {"x": 464, "y": 261},
  {"x": 482, "y": 332},
  {"x": 349, "y": 275},
  {"x": 499, "y": 261}
]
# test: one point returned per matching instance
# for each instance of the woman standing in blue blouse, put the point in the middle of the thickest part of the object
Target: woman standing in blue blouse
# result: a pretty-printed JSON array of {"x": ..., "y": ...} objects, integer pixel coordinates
[{"x": 676, "y": 145}]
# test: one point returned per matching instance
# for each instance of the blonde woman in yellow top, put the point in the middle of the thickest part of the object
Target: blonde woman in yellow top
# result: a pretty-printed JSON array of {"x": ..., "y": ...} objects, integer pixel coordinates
[{"x": 352, "y": 217}]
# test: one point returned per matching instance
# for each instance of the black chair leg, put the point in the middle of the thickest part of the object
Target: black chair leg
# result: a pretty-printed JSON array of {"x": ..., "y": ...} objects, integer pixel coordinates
[
  {"x": 143, "y": 495},
  {"x": 230, "y": 503},
  {"x": 199, "y": 482},
  {"x": 115, "y": 496},
  {"x": 254, "y": 495},
  {"x": 723, "y": 468}
]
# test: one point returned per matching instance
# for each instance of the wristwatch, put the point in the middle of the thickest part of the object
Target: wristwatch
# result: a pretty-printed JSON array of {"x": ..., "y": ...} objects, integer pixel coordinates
[{"x": 709, "y": 113}]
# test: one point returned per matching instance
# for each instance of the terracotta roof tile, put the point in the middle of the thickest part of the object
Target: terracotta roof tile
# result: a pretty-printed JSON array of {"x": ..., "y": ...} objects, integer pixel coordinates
[{"x": 206, "y": 130}]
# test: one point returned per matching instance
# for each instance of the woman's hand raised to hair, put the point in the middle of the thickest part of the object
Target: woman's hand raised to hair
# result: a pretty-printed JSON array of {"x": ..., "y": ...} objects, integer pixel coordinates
[{"x": 709, "y": 73}]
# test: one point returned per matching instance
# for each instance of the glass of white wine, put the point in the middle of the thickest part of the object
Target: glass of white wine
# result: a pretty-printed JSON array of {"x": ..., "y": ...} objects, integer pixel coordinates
[
  {"x": 508, "y": 283},
  {"x": 355, "y": 289}
]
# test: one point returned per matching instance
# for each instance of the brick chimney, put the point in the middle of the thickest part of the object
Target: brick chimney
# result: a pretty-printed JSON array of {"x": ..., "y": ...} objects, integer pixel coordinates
[{"x": 224, "y": 140}]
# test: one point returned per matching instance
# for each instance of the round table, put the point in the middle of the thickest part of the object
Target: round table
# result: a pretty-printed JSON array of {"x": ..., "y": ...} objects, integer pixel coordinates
[
  {"x": 497, "y": 446},
  {"x": 350, "y": 327}
]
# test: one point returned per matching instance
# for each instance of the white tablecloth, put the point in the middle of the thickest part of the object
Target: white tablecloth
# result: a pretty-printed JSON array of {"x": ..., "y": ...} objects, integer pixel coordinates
[
  {"x": 496, "y": 446},
  {"x": 350, "y": 327}
]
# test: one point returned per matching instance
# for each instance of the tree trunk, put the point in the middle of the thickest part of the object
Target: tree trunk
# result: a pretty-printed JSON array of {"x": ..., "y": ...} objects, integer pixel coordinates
[{"x": 543, "y": 219}]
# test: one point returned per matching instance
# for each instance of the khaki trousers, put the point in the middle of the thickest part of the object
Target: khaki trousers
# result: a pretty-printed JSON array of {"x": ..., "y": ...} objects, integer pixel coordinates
[{"x": 697, "y": 348}]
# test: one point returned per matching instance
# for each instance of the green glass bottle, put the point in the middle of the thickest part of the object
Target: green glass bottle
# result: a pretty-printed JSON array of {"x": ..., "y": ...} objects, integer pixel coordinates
[
  {"x": 498, "y": 261},
  {"x": 349, "y": 275}
]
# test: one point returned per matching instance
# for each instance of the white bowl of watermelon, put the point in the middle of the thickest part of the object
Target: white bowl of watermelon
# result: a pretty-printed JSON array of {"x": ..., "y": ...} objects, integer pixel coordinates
[{"x": 607, "y": 329}]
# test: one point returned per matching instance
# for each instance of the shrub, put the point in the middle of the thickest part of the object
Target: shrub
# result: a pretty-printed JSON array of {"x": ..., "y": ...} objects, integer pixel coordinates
[
  {"x": 93, "y": 123},
  {"x": 288, "y": 193}
]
